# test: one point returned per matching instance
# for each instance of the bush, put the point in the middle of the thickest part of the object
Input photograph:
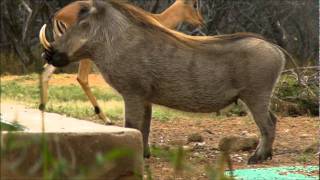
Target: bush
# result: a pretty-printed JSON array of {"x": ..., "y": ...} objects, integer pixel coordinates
[{"x": 293, "y": 98}]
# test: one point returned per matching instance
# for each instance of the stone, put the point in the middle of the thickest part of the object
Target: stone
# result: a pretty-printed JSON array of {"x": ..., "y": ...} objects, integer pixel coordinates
[
  {"x": 195, "y": 137},
  {"x": 105, "y": 152},
  {"x": 312, "y": 148},
  {"x": 238, "y": 143}
]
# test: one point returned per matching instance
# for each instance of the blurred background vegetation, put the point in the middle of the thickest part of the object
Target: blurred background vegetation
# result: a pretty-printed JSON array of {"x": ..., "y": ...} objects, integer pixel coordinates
[{"x": 292, "y": 24}]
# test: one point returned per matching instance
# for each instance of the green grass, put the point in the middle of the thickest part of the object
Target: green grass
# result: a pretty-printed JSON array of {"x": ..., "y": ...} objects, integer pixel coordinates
[
  {"x": 32, "y": 76},
  {"x": 15, "y": 91},
  {"x": 70, "y": 100},
  {"x": 305, "y": 157},
  {"x": 29, "y": 93}
]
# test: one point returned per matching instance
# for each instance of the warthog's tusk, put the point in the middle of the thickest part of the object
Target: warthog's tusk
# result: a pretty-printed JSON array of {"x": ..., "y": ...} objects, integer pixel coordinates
[{"x": 43, "y": 39}]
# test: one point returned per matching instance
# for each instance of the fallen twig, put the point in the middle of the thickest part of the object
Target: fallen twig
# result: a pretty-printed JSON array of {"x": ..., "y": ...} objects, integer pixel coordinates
[{"x": 302, "y": 68}]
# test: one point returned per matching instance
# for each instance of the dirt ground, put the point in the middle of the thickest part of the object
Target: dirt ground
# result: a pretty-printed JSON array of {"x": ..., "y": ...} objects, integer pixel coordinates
[{"x": 293, "y": 136}]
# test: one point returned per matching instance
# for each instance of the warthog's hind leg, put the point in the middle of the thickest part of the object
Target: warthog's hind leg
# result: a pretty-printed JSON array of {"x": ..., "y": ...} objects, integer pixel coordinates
[
  {"x": 83, "y": 73},
  {"x": 44, "y": 80},
  {"x": 266, "y": 121},
  {"x": 138, "y": 116}
]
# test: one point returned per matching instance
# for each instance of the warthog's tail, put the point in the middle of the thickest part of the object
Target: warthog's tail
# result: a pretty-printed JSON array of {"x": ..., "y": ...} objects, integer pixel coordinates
[{"x": 292, "y": 60}]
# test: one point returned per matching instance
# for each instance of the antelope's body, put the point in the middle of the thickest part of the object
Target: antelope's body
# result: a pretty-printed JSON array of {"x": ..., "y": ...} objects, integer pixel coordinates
[
  {"x": 180, "y": 11},
  {"x": 150, "y": 64}
]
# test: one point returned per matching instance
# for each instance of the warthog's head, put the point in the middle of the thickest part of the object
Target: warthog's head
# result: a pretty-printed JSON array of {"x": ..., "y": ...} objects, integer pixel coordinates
[
  {"x": 74, "y": 44},
  {"x": 59, "y": 53},
  {"x": 94, "y": 28}
]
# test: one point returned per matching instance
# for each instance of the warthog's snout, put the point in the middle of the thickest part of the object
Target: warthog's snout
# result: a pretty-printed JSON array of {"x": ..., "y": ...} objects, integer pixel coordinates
[
  {"x": 55, "y": 58},
  {"x": 51, "y": 55}
]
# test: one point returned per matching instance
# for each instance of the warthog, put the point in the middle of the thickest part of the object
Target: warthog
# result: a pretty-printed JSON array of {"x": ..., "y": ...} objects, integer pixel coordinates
[
  {"x": 180, "y": 11},
  {"x": 150, "y": 64}
]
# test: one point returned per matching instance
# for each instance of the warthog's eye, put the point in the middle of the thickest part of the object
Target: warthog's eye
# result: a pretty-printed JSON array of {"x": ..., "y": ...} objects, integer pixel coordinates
[{"x": 83, "y": 13}]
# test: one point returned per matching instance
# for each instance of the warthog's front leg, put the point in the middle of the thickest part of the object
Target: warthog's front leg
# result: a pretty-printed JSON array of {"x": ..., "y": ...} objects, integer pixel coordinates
[
  {"x": 45, "y": 77},
  {"x": 138, "y": 116},
  {"x": 83, "y": 73}
]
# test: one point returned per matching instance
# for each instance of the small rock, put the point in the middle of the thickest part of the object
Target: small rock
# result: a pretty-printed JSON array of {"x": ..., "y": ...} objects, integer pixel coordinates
[
  {"x": 244, "y": 133},
  {"x": 200, "y": 144},
  {"x": 305, "y": 135},
  {"x": 196, "y": 154},
  {"x": 208, "y": 131},
  {"x": 165, "y": 169},
  {"x": 247, "y": 134},
  {"x": 214, "y": 149},
  {"x": 187, "y": 148},
  {"x": 237, "y": 143},
  {"x": 196, "y": 137},
  {"x": 240, "y": 158},
  {"x": 313, "y": 148}
]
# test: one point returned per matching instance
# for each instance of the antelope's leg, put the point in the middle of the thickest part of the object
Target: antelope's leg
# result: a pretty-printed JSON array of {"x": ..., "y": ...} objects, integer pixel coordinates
[
  {"x": 45, "y": 77},
  {"x": 83, "y": 73}
]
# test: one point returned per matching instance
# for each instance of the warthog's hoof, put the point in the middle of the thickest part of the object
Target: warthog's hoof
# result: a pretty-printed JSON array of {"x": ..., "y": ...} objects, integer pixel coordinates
[
  {"x": 255, "y": 159},
  {"x": 42, "y": 107}
]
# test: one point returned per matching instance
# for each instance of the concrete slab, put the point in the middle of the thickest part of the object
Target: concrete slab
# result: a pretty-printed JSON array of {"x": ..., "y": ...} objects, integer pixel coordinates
[
  {"x": 31, "y": 119},
  {"x": 93, "y": 150}
]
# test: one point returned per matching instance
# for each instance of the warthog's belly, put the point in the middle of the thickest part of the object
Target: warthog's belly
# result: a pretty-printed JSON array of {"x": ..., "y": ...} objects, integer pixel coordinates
[
  {"x": 204, "y": 103},
  {"x": 198, "y": 107}
]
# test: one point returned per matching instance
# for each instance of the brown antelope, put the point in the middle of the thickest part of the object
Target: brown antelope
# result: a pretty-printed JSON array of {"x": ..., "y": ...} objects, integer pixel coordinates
[
  {"x": 180, "y": 11},
  {"x": 148, "y": 63}
]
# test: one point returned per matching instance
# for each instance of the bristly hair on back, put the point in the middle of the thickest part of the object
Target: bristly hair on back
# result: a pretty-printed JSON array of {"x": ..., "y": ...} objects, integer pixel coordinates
[{"x": 145, "y": 19}]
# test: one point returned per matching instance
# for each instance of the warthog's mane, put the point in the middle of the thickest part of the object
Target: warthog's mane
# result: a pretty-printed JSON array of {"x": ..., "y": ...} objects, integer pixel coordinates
[{"x": 145, "y": 19}]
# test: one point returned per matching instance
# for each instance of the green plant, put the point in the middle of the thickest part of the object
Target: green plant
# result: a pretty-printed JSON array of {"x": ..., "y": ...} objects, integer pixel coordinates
[
  {"x": 163, "y": 114},
  {"x": 305, "y": 157},
  {"x": 293, "y": 98}
]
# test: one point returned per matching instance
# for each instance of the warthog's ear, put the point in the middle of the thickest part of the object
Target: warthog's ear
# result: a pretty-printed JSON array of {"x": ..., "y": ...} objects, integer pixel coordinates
[
  {"x": 98, "y": 7},
  {"x": 84, "y": 12}
]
